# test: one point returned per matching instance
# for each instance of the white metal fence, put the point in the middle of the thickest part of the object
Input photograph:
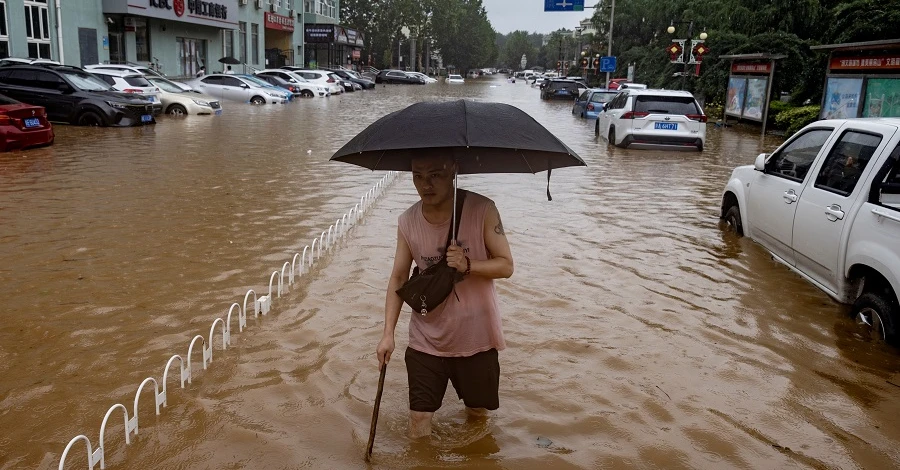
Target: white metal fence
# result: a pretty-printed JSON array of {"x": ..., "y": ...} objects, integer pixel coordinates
[{"x": 260, "y": 305}]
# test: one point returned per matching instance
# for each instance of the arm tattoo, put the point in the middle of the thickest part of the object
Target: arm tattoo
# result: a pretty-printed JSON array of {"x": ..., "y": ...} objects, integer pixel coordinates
[{"x": 498, "y": 229}]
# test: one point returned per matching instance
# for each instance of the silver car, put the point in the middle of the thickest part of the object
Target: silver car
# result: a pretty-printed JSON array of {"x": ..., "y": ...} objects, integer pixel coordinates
[{"x": 238, "y": 88}]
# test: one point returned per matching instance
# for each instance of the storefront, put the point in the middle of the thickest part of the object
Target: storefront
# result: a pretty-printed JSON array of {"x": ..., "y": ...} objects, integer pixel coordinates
[
  {"x": 332, "y": 45},
  {"x": 863, "y": 80},
  {"x": 279, "y": 35},
  {"x": 175, "y": 36}
]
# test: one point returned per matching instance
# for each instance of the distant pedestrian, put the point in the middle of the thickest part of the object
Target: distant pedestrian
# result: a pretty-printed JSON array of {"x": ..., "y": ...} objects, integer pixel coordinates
[
  {"x": 229, "y": 71},
  {"x": 201, "y": 72}
]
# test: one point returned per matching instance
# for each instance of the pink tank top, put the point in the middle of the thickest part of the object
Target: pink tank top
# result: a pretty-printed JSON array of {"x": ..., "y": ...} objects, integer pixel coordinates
[{"x": 458, "y": 327}]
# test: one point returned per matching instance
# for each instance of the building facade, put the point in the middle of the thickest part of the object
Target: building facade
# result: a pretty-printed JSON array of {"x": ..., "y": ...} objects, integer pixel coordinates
[{"x": 177, "y": 37}]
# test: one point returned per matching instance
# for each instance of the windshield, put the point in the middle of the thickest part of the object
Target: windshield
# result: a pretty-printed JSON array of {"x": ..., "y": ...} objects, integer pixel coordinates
[
  {"x": 602, "y": 97},
  {"x": 165, "y": 85},
  {"x": 85, "y": 81},
  {"x": 353, "y": 74},
  {"x": 256, "y": 81},
  {"x": 455, "y": 76}
]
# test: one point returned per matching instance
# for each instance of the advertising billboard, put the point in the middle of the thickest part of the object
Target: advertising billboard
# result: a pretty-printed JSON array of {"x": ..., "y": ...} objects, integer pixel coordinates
[
  {"x": 882, "y": 97},
  {"x": 737, "y": 89},
  {"x": 755, "y": 102},
  {"x": 842, "y": 98}
]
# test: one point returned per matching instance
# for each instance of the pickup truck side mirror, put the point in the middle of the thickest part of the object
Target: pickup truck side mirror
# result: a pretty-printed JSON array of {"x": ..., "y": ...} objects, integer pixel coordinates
[{"x": 760, "y": 163}]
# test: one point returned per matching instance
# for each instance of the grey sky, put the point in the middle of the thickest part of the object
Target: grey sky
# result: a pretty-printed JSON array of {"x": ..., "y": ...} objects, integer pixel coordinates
[{"x": 509, "y": 15}]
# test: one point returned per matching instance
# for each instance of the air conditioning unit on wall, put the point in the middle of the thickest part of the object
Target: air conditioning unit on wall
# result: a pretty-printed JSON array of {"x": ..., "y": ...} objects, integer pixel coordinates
[
  {"x": 272, "y": 8},
  {"x": 293, "y": 13},
  {"x": 243, "y": 2}
]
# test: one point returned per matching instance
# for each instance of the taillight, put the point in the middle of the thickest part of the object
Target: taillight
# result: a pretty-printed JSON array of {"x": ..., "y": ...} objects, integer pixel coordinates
[
  {"x": 590, "y": 106},
  {"x": 634, "y": 115},
  {"x": 5, "y": 120},
  {"x": 697, "y": 117},
  {"x": 330, "y": 80},
  {"x": 133, "y": 90}
]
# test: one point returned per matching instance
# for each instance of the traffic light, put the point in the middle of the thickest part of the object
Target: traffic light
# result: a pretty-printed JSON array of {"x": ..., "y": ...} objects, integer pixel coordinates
[
  {"x": 558, "y": 64},
  {"x": 584, "y": 63}
]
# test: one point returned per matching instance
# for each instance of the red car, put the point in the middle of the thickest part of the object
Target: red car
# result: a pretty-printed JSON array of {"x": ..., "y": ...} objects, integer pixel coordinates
[
  {"x": 615, "y": 83},
  {"x": 23, "y": 125}
]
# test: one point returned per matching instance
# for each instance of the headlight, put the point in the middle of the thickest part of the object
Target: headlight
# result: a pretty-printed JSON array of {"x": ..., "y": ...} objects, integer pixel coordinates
[
  {"x": 201, "y": 103},
  {"x": 117, "y": 105}
]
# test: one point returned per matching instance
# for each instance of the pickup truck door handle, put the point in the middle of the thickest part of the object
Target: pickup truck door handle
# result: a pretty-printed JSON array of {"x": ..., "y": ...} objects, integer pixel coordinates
[
  {"x": 834, "y": 213},
  {"x": 790, "y": 196}
]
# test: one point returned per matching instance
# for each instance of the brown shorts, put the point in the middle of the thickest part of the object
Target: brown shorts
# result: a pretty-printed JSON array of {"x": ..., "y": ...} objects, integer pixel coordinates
[{"x": 475, "y": 378}]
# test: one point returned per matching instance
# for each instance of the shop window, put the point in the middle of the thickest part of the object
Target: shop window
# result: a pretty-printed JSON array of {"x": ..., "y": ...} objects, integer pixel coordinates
[
  {"x": 242, "y": 41},
  {"x": 308, "y": 6},
  {"x": 37, "y": 28},
  {"x": 191, "y": 56},
  {"x": 141, "y": 40},
  {"x": 289, "y": 4},
  {"x": 4, "y": 32},
  {"x": 254, "y": 42}
]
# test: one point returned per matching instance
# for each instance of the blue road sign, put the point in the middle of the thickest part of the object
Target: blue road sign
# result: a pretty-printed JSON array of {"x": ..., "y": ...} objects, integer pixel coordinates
[
  {"x": 608, "y": 64},
  {"x": 563, "y": 5}
]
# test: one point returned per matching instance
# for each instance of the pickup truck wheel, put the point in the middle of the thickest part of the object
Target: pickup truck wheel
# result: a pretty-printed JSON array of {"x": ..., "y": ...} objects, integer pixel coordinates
[
  {"x": 876, "y": 316},
  {"x": 733, "y": 220},
  {"x": 597, "y": 127}
]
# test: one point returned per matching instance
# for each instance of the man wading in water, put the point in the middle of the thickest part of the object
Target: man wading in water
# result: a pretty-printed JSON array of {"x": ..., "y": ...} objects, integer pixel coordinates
[{"x": 457, "y": 341}]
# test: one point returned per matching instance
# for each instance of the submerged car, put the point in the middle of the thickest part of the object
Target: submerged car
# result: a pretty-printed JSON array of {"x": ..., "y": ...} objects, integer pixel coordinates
[
  {"x": 178, "y": 102},
  {"x": 71, "y": 95},
  {"x": 23, "y": 125},
  {"x": 397, "y": 76},
  {"x": 306, "y": 88},
  {"x": 658, "y": 118},
  {"x": 453, "y": 78},
  {"x": 239, "y": 88},
  {"x": 561, "y": 89},
  {"x": 131, "y": 82},
  {"x": 590, "y": 103}
]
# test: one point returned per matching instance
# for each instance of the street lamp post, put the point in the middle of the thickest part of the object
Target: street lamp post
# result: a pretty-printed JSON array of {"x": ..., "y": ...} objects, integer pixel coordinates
[{"x": 686, "y": 51}]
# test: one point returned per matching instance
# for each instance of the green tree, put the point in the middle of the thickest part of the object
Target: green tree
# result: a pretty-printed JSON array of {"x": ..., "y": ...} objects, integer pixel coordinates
[{"x": 517, "y": 45}]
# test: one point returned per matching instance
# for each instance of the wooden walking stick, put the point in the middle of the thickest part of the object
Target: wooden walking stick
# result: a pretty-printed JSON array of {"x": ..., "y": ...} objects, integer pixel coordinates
[{"x": 375, "y": 412}]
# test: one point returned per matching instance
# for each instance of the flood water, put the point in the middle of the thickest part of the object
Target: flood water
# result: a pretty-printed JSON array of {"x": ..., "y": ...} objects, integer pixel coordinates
[{"x": 640, "y": 335}]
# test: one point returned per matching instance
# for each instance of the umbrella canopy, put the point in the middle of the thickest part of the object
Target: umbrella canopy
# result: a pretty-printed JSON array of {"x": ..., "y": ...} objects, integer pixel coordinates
[
  {"x": 229, "y": 60},
  {"x": 483, "y": 137}
]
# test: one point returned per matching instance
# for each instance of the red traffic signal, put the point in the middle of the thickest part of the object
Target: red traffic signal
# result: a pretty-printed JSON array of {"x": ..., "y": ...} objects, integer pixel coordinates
[
  {"x": 596, "y": 62},
  {"x": 584, "y": 62}
]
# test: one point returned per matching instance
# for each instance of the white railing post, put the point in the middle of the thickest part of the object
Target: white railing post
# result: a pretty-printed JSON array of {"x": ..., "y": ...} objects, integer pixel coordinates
[
  {"x": 321, "y": 237},
  {"x": 294, "y": 267},
  {"x": 312, "y": 253},
  {"x": 255, "y": 303},
  {"x": 330, "y": 238},
  {"x": 103, "y": 431},
  {"x": 182, "y": 373},
  {"x": 93, "y": 456},
  {"x": 225, "y": 337},
  {"x": 242, "y": 319},
  {"x": 190, "y": 370},
  {"x": 303, "y": 259},
  {"x": 158, "y": 399}
]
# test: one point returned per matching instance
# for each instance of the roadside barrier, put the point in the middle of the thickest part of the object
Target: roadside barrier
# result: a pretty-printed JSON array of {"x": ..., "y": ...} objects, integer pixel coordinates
[{"x": 261, "y": 305}]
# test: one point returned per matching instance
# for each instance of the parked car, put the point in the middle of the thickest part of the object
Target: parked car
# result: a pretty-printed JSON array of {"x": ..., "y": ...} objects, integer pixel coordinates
[
  {"x": 23, "y": 125},
  {"x": 397, "y": 76},
  {"x": 454, "y": 78},
  {"x": 352, "y": 76},
  {"x": 422, "y": 76},
  {"x": 666, "y": 118},
  {"x": 307, "y": 88},
  {"x": 29, "y": 61},
  {"x": 615, "y": 83},
  {"x": 145, "y": 71},
  {"x": 177, "y": 102},
  {"x": 590, "y": 103},
  {"x": 561, "y": 88},
  {"x": 826, "y": 204},
  {"x": 71, "y": 95},
  {"x": 280, "y": 83},
  {"x": 318, "y": 77},
  {"x": 347, "y": 84},
  {"x": 131, "y": 82},
  {"x": 238, "y": 88}
]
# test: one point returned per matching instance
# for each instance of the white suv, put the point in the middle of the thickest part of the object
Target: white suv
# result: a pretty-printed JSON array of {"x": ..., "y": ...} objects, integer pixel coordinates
[
  {"x": 664, "y": 118},
  {"x": 131, "y": 82},
  {"x": 139, "y": 69},
  {"x": 318, "y": 77}
]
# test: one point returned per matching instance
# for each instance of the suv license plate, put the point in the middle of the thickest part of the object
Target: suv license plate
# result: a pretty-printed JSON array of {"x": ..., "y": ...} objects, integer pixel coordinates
[
  {"x": 218, "y": 112},
  {"x": 32, "y": 122},
  {"x": 666, "y": 126},
  {"x": 146, "y": 118}
]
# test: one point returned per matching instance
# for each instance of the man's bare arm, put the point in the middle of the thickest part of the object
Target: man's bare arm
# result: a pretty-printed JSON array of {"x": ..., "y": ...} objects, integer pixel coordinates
[
  {"x": 500, "y": 265},
  {"x": 392, "y": 302}
]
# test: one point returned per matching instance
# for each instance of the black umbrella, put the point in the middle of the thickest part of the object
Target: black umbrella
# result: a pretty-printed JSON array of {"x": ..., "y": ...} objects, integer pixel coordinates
[
  {"x": 229, "y": 60},
  {"x": 483, "y": 137}
]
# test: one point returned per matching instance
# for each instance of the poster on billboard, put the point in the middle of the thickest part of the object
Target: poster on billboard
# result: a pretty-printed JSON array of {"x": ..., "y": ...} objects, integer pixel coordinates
[
  {"x": 755, "y": 103},
  {"x": 842, "y": 98},
  {"x": 882, "y": 98},
  {"x": 737, "y": 88}
]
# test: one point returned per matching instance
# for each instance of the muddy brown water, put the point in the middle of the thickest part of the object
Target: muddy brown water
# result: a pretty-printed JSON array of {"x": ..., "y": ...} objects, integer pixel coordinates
[{"x": 640, "y": 334}]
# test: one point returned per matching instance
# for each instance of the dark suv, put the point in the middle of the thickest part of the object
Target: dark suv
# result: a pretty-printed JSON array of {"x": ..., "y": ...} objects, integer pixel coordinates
[
  {"x": 558, "y": 88},
  {"x": 366, "y": 84},
  {"x": 397, "y": 76},
  {"x": 71, "y": 95}
]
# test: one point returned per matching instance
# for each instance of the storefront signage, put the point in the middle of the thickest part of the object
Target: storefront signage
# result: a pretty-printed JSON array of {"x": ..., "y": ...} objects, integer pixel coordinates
[
  {"x": 866, "y": 63},
  {"x": 744, "y": 67},
  {"x": 215, "y": 13},
  {"x": 279, "y": 22},
  {"x": 319, "y": 33}
]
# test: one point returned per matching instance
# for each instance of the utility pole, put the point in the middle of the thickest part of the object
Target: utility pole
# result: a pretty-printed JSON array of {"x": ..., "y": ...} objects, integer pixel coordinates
[{"x": 612, "y": 16}]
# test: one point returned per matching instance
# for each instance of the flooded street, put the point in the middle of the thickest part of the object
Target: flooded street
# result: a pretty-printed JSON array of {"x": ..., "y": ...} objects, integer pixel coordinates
[{"x": 640, "y": 335}]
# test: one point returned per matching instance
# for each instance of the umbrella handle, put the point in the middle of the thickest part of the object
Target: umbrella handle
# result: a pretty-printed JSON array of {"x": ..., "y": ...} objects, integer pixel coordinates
[{"x": 375, "y": 412}]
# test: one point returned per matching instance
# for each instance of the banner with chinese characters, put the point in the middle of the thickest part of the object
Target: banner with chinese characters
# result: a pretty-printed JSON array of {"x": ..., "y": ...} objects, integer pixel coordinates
[{"x": 865, "y": 63}]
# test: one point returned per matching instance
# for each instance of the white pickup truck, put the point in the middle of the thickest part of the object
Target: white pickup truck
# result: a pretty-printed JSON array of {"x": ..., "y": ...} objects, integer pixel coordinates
[{"x": 826, "y": 203}]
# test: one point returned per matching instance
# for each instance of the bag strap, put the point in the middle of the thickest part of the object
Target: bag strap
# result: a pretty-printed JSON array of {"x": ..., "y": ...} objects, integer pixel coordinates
[{"x": 460, "y": 199}]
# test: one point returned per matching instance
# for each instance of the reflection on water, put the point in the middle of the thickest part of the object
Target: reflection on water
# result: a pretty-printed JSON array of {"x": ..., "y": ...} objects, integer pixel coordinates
[{"x": 640, "y": 335}]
